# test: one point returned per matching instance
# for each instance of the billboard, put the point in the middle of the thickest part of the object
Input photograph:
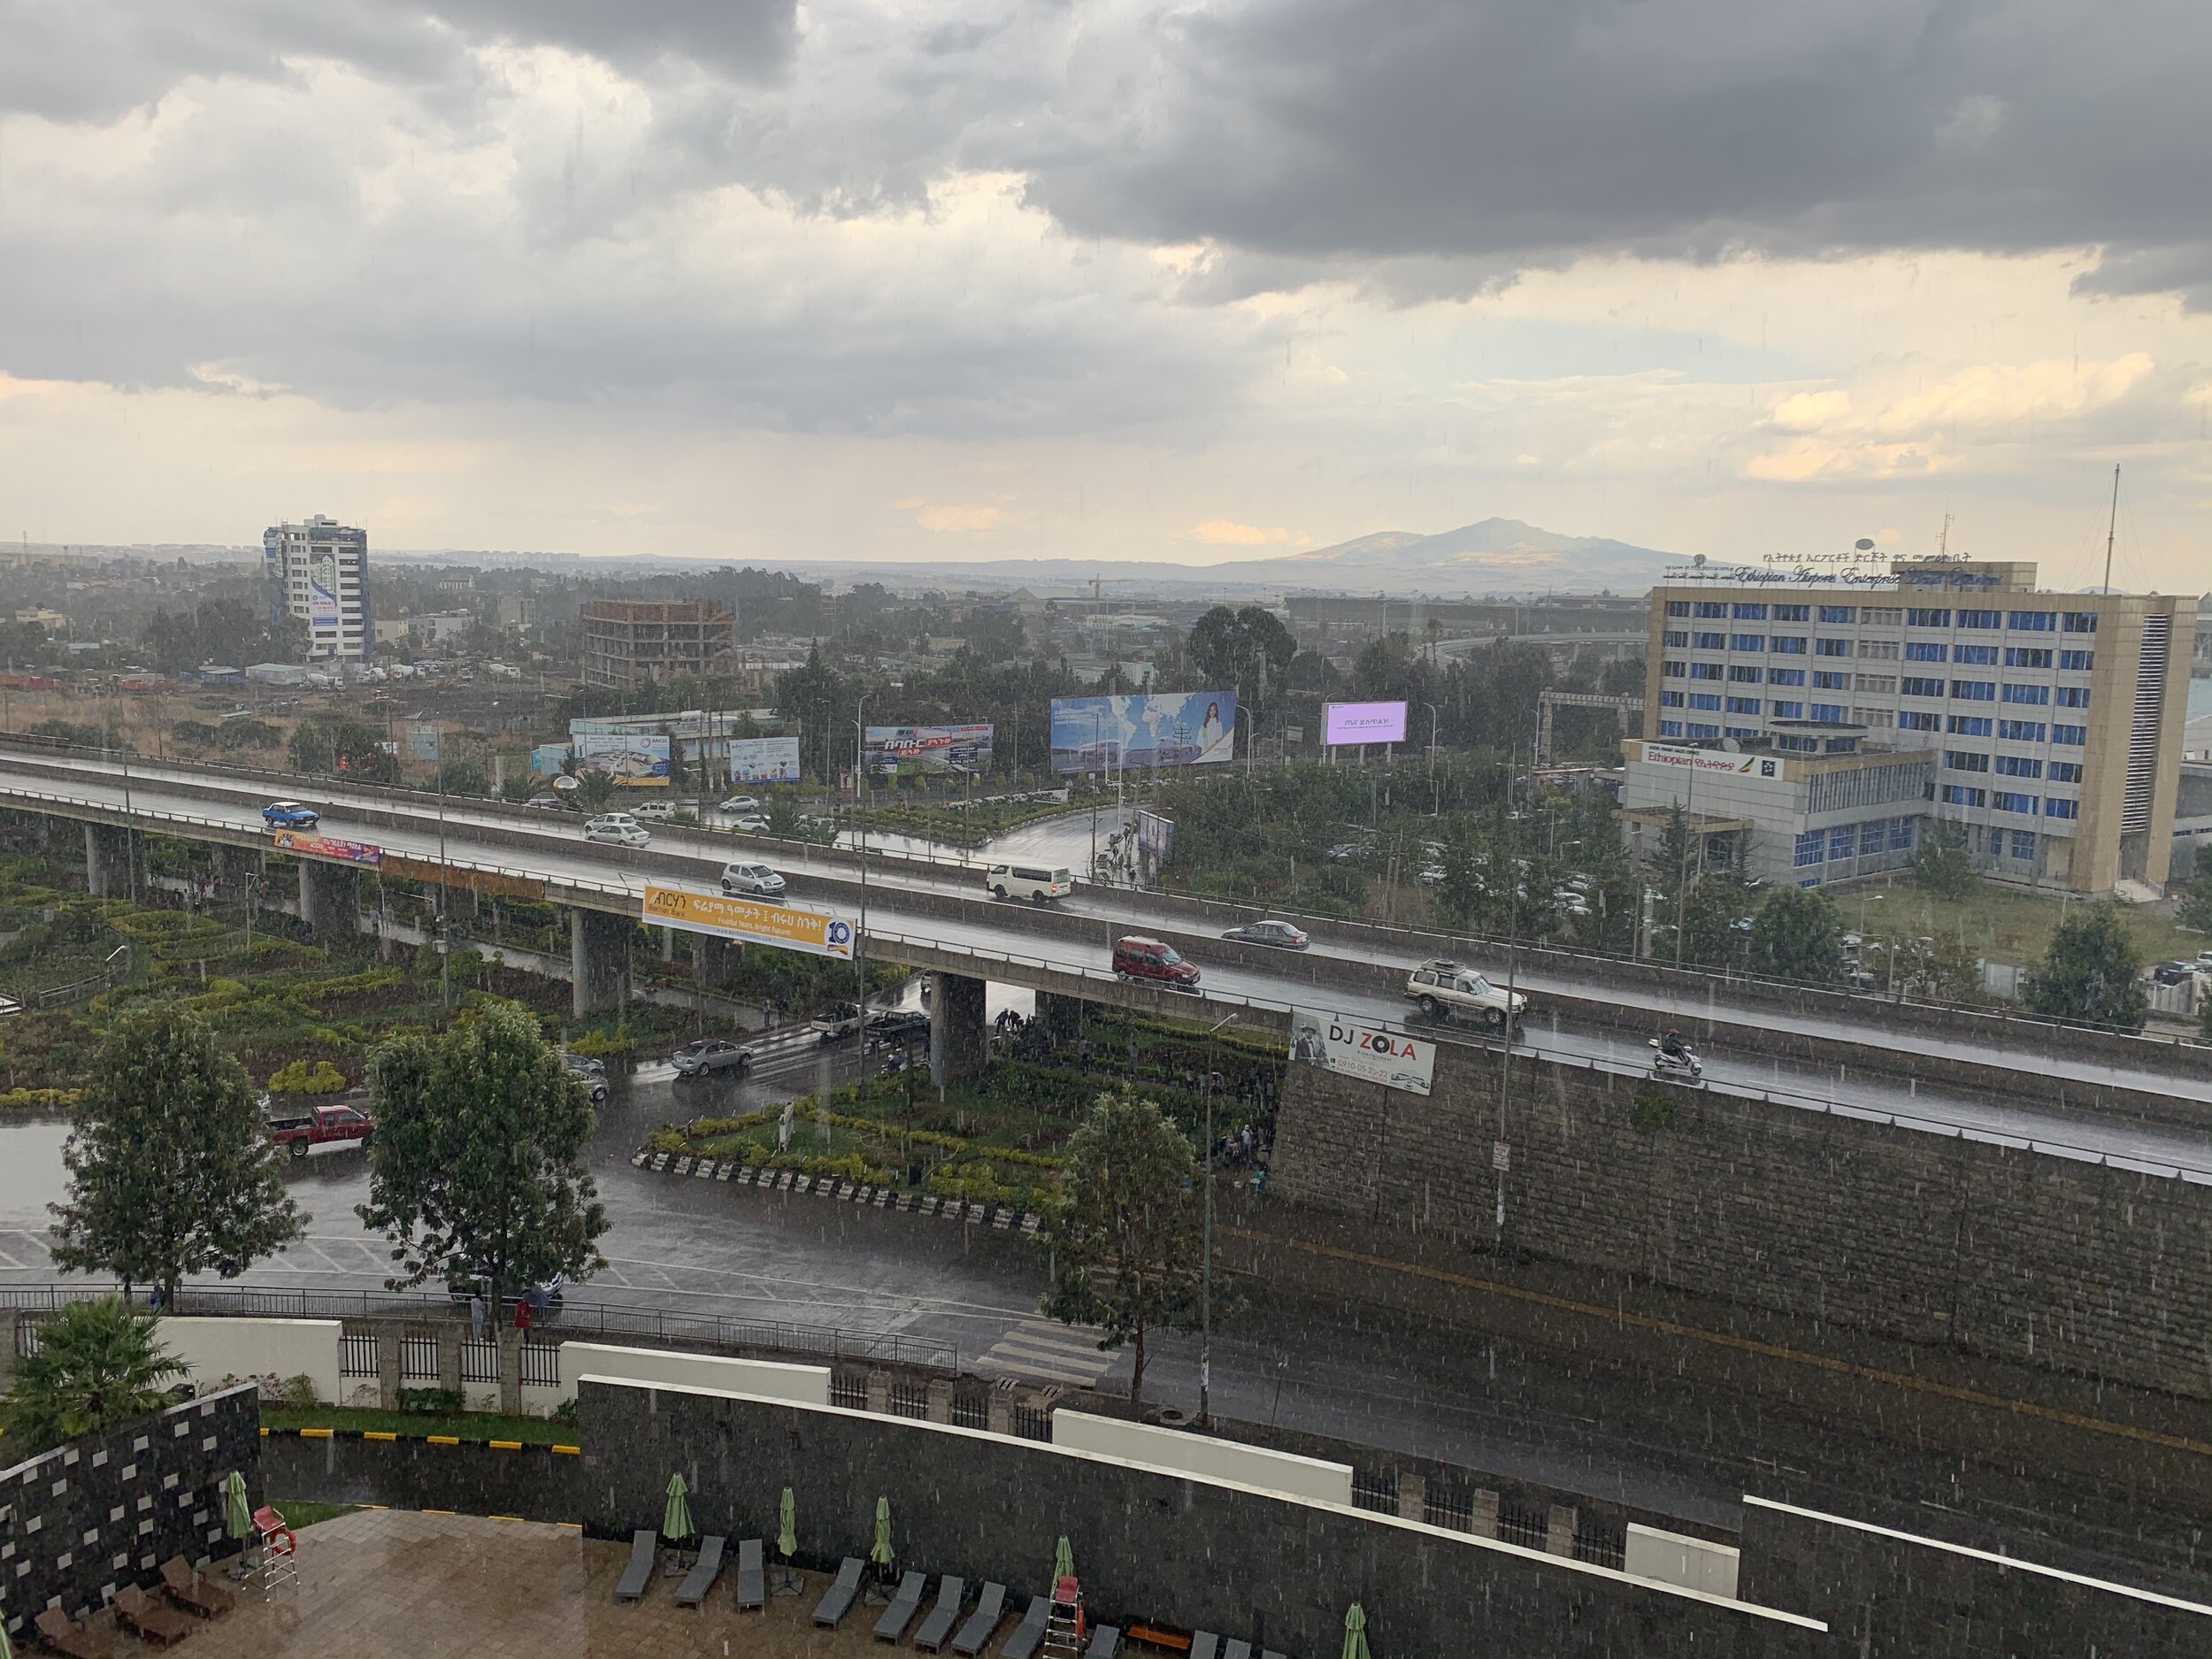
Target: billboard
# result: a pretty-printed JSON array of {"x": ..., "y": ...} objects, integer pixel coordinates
[
  {"x": 1174, "y": 728},
  {"x": 422, "y": 741},
  {"x": 1156, "y": 835},
  {"x": 639, "y": 762},
  {"x": 309, "y": 844},
  {"x": 764, "y": 759},
  {"x": 1713, "y": 760},
  {"x": 1366, "y": 1052},
  {"x": 322, "y": 590},
  {"x": 890, "y": 750},
  {"x": 756, "y": 921},
  {"x": 1363, "y": 722}
]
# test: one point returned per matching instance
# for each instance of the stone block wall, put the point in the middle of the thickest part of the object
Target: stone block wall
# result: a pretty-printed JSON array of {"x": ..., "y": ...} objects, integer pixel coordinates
[
  {"x": 79, "y": 1523},
  {"x": 2079, "y": 1267}
]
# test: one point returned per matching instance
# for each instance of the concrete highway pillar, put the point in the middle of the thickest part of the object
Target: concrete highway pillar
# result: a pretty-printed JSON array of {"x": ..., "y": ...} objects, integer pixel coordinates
[
  {"x": 955, "y": 1027},
  {"x": 107, "y": 861},
  {"x": 715, "y": 961},
  {"x": 233, "y": 865},
  {"x": 598, "y": 962},
  {"x": 1062, "y": 1015},
  {"x": 330, "y": 899},
  {"x": 668, "y": 944}
]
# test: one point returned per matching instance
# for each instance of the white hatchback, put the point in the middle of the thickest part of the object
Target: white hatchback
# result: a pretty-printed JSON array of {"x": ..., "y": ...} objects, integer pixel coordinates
[{"x": 747, "y": 877}]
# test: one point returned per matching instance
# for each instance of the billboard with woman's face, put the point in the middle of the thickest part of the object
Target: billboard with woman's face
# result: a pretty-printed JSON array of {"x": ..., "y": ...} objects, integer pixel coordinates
[{"x": 1174, "y": 728}]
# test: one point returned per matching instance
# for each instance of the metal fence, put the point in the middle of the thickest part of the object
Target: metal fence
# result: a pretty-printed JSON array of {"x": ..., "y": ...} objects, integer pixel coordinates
[
  {"x": 419, "y": 1359},
  {"x": 1518, "y": 1525},
  {"x": 1375, "y": 1489},
  {"x": 1443, "y": 1506},
  {"x": 357, "y": 1354},
  {"x": 971, "y": 1409},
  {"x": 849, "y": 1389},
  {"x": 909, "y": 1397},
  {"x": 479, "y": 1361},
  {"x": 1029, "y": 1422},
  {"x": 541, "y": 1366}
]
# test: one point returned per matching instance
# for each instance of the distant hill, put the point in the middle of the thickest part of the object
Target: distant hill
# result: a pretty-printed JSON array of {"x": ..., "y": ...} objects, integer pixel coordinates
[{"x": 1495, "y": 556}]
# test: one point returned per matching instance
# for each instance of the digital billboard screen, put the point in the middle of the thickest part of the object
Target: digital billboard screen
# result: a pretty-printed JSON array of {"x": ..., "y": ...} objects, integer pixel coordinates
[
  {"x": 893, "y": 749},
  {"x": 1363, "y": 722},
  {"x": 764, "y": 759},
  {"x": 1174, "y": 728}
]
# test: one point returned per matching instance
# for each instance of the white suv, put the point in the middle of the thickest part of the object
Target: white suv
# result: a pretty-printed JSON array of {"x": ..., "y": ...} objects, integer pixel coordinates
[
  {"x": 618, "y": 829},
  {"x": 746, "y": 876},
  {"x": 1445, "y": 989}
]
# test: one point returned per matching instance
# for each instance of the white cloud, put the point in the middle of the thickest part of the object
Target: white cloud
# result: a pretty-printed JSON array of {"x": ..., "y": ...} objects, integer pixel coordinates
[{"x": 1228, "y": 533}]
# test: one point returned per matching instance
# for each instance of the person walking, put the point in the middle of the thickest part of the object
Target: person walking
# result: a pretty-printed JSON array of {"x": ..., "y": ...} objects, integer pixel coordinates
[
  {"x": 1083, "y": 1054},
  {"x": 476, "y": 1317}
]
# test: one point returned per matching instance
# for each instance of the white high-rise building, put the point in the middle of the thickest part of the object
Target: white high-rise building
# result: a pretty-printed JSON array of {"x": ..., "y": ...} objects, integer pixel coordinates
[{"x": 319, "y": 573}]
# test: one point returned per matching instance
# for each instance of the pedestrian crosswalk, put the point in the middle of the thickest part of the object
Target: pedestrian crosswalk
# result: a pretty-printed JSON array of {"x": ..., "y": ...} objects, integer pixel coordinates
[{"x": 1044, "y": 1352}]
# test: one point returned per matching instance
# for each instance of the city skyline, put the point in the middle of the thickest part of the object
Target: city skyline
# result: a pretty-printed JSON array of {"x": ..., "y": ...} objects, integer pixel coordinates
[{"x": 771, "y": 282}]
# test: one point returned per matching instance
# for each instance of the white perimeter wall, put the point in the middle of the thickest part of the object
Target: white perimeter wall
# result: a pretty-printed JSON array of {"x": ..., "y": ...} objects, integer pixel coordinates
[
  {"x": 1199, "y": 1454},
  {"x": 284, "y": 1348},
  {"x": 767, "y": 1380},
  {"x": 1693, "y": 1562}
]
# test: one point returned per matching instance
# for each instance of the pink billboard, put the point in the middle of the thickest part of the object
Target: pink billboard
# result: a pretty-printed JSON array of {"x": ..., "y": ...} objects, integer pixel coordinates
[{"x": 1363, "y": 722}]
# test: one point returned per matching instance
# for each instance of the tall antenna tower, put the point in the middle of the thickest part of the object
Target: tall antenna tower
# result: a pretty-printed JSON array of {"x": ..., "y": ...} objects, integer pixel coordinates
[{"x": 2112, "y": 529}]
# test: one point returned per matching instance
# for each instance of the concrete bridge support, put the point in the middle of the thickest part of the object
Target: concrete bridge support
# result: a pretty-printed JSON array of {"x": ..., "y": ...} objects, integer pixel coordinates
[
  {"x": 1061, "y": 1016},
  {"x": 715, "y": 961},
  {"x": 599, "y": 962},
  {"x": 108, "y": 851},
  {"x": 233, "y": 866},
  {"x": 957, "y": 1045},
  {"x": 330, "y": 899}
]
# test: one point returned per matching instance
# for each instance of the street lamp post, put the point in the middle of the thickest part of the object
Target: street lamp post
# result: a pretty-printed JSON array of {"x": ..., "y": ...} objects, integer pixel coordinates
[
  {"x": 1206, "y": 1270},
  {"x": 860, "y": 852},
  {"x": 1435, "y": 723}
]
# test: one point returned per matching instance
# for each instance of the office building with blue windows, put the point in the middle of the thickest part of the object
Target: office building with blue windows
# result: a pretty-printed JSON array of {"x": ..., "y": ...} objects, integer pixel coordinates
[{"x": 1867, "y": 703}]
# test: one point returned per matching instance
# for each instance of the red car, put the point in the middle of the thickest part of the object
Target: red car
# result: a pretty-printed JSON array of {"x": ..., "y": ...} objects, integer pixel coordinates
[{"x": 1154, "y": 959}]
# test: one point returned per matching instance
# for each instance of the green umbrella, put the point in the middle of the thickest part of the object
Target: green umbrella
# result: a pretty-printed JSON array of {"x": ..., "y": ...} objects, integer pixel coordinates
[
  {"x": 1062, "y": 1562},
  {"x": 881, "y": 1553},
  {"x": 787, "y": 1529},
  {"x": 677, "y": 1522},
  {"x": 1355, "y": 1633},
  {"x": 237, "y": 1506},
  {"x": 6, "y": 1651}
]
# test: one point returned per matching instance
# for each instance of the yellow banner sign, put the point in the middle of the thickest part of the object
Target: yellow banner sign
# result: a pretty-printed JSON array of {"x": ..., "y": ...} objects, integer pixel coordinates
[{"x": 818, "y": 933}]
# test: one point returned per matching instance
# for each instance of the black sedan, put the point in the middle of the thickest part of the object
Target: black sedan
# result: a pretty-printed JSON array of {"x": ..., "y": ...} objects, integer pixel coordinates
[
  {"x": 709, "y": 1053},
  {"x": 898, "y": 1024},
  {"x": 1282, "y": 935}
]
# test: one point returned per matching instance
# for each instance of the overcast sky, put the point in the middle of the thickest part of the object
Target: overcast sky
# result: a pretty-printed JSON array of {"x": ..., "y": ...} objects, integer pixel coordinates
[{"x": 1106, "y": 279}]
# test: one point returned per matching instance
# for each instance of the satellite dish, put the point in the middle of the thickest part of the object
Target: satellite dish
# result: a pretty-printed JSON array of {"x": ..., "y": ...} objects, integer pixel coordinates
[
  {"x": 1697, "y": 561},
  {"x": 1865, "y": 544}
]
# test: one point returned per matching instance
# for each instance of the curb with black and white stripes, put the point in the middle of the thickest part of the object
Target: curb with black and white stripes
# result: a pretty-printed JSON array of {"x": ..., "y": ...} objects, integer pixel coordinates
[{"x": 998, "y": 1217}]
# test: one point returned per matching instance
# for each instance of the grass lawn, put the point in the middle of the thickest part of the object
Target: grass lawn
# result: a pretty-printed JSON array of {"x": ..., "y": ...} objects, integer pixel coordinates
[
  {"x": 302, "y": 1512},
  {"x": 467, "y": 1425},
  {"x": 2004, "y": 924}
]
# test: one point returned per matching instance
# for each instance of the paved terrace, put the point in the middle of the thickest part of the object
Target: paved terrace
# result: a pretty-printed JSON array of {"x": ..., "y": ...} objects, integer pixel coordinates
[{"x": 394, "y": 1584}]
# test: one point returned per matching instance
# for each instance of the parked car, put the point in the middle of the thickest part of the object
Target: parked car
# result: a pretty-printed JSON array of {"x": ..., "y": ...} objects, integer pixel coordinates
[
  {"x": 1282, "y": 935},
  {"x": 711, "y": 1054},
  {"x": 838, "y": 1020},
  {"x": 300, "y": 1127},
  {"x": 744, "y": 875},
  {"x": 543, "y": 1299},
  {"x": 1136, "y": 957},
  {"x": 2173, "y": 972},
  {"x": 593, "y": 1072},
  {"x": 740, "y": 803},
  {"x": 289, "y": 815},
  {"x": 1344, "y": 852},
  {"x": 1444, "y": 987},
  {"x": 617, "y": 829},
  {"x": 751, "y": 824},
  {"x": 1037, "y": 883},
  {"x": 1431, "y": 876}
]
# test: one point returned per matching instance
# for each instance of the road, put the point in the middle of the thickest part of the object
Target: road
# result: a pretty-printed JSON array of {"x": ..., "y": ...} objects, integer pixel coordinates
[{"x": 995, "y": 934}]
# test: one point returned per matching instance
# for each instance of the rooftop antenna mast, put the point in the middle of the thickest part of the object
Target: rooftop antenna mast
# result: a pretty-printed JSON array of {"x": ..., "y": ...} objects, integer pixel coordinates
[
  {"x": 2112, "y": 529},
  {"x": 1943, "y": 538}
]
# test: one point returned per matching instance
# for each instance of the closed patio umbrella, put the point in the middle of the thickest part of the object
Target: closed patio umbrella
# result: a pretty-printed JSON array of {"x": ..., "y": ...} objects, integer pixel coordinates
[
  {"x": 880, "y": 1553},
  {"x": 787, "y": 1528},
  {"x": 1063, "y": 1561},
  {"x": 237, "y": 1506},
  {"x": 1355, "y": 1633},
  {"x": 676, "y": 1521}
]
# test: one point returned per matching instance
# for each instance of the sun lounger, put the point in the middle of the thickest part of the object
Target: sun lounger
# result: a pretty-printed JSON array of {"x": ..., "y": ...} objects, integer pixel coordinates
[
  {"x": 643, "y": 1546},
  {"x": 693, "y": 1590},
  {"x": 1235, "y": 1649},
  {"x": 64, "y": 1635},
  {"x": 1105, "y": 1642},
  {"x": 900, "y": 1614},
  {"x": 195, "y": 1592},
  {"x": 1269, "y": 1653},
  {"x": 975, "y": 1635},
  {"x": 839, "y": 1598},
  {"x": 752, "y": 1587},
  {"x": 148, "y": 1617},
  {"x": 1205, "y": 1645},
  {"x": 938, "y": 1626},
  {"x": 1029, "y": 1632}
]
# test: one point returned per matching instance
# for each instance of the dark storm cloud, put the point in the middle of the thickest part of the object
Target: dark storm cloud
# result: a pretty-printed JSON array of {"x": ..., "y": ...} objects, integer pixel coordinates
[{"x": 1331, "y": 130}]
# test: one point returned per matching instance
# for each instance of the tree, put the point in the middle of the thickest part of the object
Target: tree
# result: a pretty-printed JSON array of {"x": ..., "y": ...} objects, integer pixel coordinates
[
  {"x": 1943, "y": 867},
  {"x": 1125, "y": 1236},
  {"x": 1797, "y": 935},
  {"x": 170, "y": 1173},
  {"x": 331, "y": 744},
  {"x": 595, "y": 790},
  {"x": 1942, "y": 970},
  {"x": 2195, "y": 909},
  {"x": 476, "y": 1169},
  {"x": 1246, "y": 650},
  {"x": 98, "y": 1366},
  {"x": 2091, "y": 973}
]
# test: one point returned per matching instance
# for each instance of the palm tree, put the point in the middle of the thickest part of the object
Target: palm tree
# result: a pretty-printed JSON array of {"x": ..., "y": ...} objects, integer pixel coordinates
[{"x": 98, "y": 1363}]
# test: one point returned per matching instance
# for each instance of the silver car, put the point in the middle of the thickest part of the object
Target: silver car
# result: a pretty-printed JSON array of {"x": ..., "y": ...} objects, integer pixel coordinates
[
  {"x": 711, "y": 1054},
  {"x": 1280, "y": 934}
]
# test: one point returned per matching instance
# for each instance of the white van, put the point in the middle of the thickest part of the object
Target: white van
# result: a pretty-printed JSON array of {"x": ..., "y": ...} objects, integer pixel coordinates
[
  {"x": 1037, "y": 883},
  {"x": 618, "y": 828}
]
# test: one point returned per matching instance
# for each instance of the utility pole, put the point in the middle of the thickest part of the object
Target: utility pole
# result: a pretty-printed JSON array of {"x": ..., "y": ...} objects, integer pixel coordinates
[
  {"x": 1206, "y": 1268},
  {"x": 860, "y": 845}
]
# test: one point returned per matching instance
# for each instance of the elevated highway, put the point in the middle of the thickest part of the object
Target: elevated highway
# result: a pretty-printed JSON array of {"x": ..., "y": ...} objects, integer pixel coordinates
[{"x": 2144, "y": 1104}]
